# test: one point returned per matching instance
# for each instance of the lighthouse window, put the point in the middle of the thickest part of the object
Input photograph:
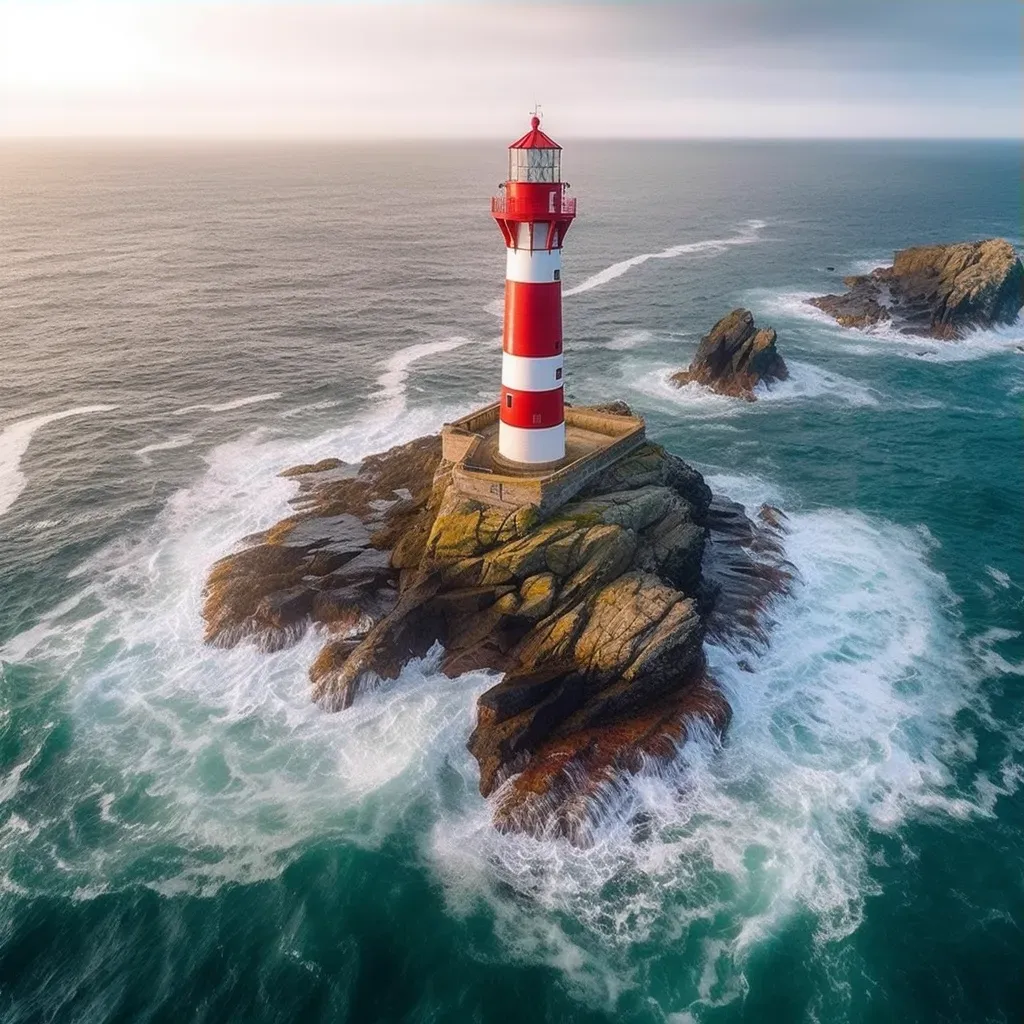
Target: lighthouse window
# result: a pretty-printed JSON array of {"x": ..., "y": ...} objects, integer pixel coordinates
[
  {"x": 558, "y": 273},
  {"x": 508, "y": 401},
  {"x": 558, "y": 374},
  {"x": 534, "y": 165}
]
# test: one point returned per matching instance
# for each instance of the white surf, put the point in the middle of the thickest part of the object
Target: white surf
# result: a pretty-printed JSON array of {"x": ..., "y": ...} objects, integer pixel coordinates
[{"x": 14, "y": 442}]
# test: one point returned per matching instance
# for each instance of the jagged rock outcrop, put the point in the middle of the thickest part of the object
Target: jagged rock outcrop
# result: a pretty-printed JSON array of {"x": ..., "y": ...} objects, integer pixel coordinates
[
  {"x": 734, "y": 357},
  {"x": 337, "y": 561},
  {"x": 596, "y": 615},
  {"x": 941, "y": 291}
]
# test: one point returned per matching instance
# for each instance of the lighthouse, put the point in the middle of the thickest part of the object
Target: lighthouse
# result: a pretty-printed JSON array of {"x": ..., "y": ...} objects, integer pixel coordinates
[{"x": 534, "y": 215}]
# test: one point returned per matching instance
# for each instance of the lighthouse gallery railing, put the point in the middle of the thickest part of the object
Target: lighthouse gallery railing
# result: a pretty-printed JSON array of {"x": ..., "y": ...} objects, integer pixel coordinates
[{"x": 512, "y": 207}]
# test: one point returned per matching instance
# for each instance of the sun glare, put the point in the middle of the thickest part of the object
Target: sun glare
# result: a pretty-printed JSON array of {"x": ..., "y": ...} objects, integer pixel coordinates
[{"x": 57, "y": 48}]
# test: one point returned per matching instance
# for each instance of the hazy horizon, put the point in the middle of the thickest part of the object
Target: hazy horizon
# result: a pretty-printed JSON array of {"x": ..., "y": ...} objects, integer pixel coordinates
[
  {"x": 399, "y": 140},
  {"x": 406, "y": 71}
]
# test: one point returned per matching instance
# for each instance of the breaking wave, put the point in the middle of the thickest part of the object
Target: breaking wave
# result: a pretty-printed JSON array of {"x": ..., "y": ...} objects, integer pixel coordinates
[
  {"x": 845, "y": 726},
  {"x": 806, "y": 382},
  {"x": 749, "y": 234},
  {"x": 242, "y": 768},
  {"x": 237, "y": 403},
  {"x": 14, "y": 442},
  {"x": 978, "y": 344},
  {"x": 391, "y": 383},
  {"x": 172, "y": 443}
]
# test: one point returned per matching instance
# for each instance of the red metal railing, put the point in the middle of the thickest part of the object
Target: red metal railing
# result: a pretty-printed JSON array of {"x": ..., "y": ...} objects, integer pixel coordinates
[{"x": 510, "y": 207}]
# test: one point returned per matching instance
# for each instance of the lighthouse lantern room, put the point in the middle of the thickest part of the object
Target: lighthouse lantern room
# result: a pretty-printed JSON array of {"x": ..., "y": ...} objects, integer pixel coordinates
[{"x": 534, "y": 215}]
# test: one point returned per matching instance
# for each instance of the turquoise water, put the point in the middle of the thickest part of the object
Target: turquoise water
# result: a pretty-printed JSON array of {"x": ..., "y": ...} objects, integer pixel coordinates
[{"x": 182, "y": 836}]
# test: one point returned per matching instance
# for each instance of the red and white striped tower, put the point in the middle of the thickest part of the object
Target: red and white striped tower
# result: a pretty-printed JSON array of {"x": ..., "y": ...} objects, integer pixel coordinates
[{"x": 534, "y": 215}]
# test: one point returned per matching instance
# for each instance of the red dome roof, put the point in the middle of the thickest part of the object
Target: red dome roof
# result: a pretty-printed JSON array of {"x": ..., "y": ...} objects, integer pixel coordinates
[{"x": 535, "y": 138}]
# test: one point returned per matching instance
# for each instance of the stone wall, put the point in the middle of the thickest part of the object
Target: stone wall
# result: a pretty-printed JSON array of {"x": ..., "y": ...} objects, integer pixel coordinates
[
  {"x": 546, "y": 490},
  {"x": 565, "y": 483},
  {"x": 460, "y": 438},
  {"x": 458, "y": 445}
]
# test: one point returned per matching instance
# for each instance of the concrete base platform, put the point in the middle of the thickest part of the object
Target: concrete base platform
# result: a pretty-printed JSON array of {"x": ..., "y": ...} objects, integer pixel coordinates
[{"x": 594, "y": 440}]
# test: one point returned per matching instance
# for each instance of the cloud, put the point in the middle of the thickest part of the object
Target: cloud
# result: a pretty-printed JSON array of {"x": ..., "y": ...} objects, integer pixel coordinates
[{"x": 391, "y": 69}]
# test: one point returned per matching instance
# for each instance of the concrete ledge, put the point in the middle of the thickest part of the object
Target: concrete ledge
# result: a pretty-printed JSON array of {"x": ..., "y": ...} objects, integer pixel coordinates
[{"x": 595, "y": 440}]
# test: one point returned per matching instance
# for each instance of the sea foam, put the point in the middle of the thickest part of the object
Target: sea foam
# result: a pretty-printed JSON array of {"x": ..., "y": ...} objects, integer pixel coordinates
[
  {"x": 845, "y": 725},
  {"x": 750, "y": 233},
  {"x": 235, "y": 403},
  {"x": 242, "y": 766},
  {"x": 177, "y": 441},
  {"x": 391, "y": 383},
  {"x": 806, "y": 382},
  {"x": 981, "y": 343},
  {"x": 633, "y": 338},
  {"x": 884, "y": 339},
  {"x": 863, "y": 267},
  {"x": 14, "y": 442}
]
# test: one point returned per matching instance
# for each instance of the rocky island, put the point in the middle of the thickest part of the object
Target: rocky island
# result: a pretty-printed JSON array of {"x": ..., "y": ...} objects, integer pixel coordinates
[
  {"x": 734, "y": 357},
  {"x": 593, "y": 594},
  {"x": 939, "y": 291}
]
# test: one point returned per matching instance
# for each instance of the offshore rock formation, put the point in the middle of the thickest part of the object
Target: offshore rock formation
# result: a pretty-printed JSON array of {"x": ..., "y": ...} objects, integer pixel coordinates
[
  {"x": 941, "y": 291},
  {"x": 734, "y": 357},
  {"x": 596, "y": 614}
]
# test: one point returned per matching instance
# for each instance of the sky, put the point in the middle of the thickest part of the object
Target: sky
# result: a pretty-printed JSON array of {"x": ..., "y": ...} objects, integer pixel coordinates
[{"x": 774, "y": 68}]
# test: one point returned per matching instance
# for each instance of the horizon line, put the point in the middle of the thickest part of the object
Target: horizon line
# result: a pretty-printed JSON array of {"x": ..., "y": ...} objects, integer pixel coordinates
[{"x": 410, "y": 139}]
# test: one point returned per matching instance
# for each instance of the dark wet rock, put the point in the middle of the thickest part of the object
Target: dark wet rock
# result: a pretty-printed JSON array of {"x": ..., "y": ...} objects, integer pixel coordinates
[
  {"x": 942, "y": 291},
  {"x": 744, "y": 568},
  {"x": 557, "y": 790},
  {"x": 596, "y": 614},
  {"x": 734, "y": 357},
  {"x": 323, "y": 466},
  {"x": 330, "y": 562}
]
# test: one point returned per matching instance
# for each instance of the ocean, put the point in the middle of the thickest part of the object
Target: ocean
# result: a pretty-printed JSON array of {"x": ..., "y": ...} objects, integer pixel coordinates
[{"x": 183, "y": 836}]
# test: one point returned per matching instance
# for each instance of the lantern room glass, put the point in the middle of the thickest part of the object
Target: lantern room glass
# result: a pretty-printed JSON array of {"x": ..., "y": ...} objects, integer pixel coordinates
[{"x": 535, "y": 164}]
